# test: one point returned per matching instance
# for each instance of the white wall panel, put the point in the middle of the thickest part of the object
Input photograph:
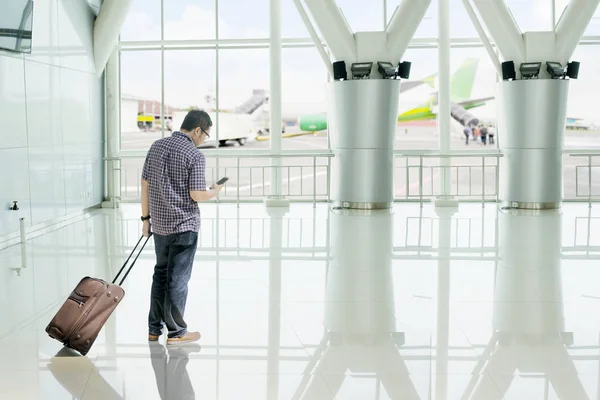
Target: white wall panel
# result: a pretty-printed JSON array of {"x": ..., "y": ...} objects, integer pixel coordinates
[
  {"x": 44, "y": 119},
  {"x": 75, "y": 32},
  {"x": 75, "y": 105},
  {"x": 45, "y": 47},
  {"x": 47, "y": 183},
  {"x": 52, "y": 124},
  {"x": 13, "y": 119},
  {"x": 14, "y": 185}
]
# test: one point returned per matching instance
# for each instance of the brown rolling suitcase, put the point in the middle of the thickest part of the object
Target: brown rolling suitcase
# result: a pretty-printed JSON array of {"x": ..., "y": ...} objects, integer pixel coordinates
[{"x": 77, "y": 324}]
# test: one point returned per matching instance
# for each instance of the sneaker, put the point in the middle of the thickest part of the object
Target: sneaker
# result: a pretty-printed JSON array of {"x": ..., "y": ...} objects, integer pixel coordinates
[
  {"x": 153, "y": 338},
  {"x": 189, "y": 337}
]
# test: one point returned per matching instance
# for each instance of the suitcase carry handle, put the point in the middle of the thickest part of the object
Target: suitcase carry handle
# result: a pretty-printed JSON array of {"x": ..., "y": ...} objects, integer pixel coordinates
[{"x": 134, "y": 260}]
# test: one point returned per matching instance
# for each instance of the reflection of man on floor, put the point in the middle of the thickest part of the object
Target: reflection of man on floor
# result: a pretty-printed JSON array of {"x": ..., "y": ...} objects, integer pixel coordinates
[{"x": 172, "y": 378}]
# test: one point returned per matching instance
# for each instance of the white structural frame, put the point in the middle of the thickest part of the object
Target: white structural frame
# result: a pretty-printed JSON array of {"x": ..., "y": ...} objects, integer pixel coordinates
[
  {"x": 307, "y": 42},
  {"x": 557, "y": 44},
  {"x": 444, "y": 95}
]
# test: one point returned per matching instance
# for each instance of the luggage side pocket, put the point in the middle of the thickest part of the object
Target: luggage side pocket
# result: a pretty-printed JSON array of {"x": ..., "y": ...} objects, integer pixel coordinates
[{"x": 65, "y": 319}]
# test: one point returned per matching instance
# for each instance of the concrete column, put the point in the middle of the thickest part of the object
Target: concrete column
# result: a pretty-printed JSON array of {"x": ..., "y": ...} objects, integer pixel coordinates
[
  {"x": 363, "y": 113},
  {"x": 532, "y": 112},
  {"x": 531, "y": 130},
  {"x": 363, "y": 125},
  {"x": 107, "y": 28}
]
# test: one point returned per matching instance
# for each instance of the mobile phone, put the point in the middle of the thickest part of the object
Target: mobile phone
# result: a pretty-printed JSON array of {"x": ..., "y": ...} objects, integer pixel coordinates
[{"x": 222, "y": 180}]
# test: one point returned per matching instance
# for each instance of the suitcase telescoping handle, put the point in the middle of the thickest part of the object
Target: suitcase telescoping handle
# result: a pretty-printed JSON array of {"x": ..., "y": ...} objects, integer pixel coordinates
[{"x": 134, "y": 260}]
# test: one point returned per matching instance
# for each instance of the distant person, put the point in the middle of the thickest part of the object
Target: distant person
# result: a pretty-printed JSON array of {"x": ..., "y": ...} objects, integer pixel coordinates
[
  {"x": 468, "y": 132},
  {"x": 484, "y": 134},
  {"x": 476, "y": 134},
  {"x": 173, "y": 181},
  {"x": 491, "y": 134}
]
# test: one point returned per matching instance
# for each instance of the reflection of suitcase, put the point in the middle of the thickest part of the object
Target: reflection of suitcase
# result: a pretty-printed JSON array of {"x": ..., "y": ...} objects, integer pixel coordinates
[
  {"x": 86, "y": 310},
  {"x": 80, "y": 377}
]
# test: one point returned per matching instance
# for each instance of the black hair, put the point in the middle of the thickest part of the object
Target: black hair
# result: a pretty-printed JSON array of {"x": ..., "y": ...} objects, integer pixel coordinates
[{"x": 196, "y": 119}]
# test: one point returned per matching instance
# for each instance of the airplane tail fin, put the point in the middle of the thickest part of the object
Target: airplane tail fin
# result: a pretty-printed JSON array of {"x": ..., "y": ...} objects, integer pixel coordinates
[
  {"x": 462, "y": 82},
  {"x": 430, "y": 80}
]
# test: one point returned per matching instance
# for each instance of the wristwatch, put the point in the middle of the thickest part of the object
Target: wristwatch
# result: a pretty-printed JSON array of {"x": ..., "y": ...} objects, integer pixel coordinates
[{"x": 147, "y": 218}]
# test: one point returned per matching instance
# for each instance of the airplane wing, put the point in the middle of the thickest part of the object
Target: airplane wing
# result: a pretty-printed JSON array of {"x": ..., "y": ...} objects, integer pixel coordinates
[
  {"x": 407, "y": 85},
  {"x": 478, "y": 101}
]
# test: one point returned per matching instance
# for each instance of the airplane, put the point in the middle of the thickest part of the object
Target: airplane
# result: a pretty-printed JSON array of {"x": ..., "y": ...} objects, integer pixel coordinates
[{"x": 461, "y": 88}]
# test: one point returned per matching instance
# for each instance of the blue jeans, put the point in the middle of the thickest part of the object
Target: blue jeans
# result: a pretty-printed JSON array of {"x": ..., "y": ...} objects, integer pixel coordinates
[{"x": 174, "y": 259}]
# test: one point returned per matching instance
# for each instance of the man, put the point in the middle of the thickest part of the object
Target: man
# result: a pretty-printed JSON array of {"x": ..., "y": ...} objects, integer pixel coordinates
[
  {"x": 491, "y": 133},
  {"x": 476, "y": 134},
  {"x": 468, "y": 132},
  {"x": 173, "y": 181},
  {"x": 484, "y": 134}
]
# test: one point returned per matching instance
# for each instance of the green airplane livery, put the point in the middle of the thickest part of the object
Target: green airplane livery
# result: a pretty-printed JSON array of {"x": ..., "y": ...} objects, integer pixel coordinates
[{"x": 461, "y": 88}]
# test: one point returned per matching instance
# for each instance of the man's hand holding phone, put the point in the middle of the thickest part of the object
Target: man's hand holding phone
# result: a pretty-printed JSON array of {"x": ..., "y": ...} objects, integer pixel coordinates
[{"x": 217, "y": 187}]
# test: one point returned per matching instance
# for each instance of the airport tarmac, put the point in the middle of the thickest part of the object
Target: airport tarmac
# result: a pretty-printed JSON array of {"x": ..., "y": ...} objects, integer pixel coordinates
[{"x": 298, "y": 172}]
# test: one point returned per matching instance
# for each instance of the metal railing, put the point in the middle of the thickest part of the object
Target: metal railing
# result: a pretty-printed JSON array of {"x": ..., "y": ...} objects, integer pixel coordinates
[
  {"x": 305, "y": 177},
  {"x": 421, "y": 177},
  {"x": 585, "y": 190},
  {"x": 250, "y": 235}
]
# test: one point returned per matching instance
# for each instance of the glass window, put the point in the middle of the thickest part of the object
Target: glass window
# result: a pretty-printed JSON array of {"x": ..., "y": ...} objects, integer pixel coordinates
[
  {"x": 429, "y": 26},
  {"x": 582, "y": 125},
  {"x": 189, "y": 20},
  {"x": 142, "y": 22},
  {"x": 594, "y": 26},
  {"x": 417, "y": 126},
  {"x": 304, "y": 80},
  {"x": 473, "y": 91},
  {"x": 532, "y": 15},
  {"x": 363, "y": 16},
  {"x": 582, "y": 109},
  {"x": 243, "y": 96},
  {"x": 190, "y": 77},
  {"x": 140, "y": 99},
  {"x": 244, "y": 19},
  {"x": 359, "y": 17},
  {"x": 291, "y": 23}
]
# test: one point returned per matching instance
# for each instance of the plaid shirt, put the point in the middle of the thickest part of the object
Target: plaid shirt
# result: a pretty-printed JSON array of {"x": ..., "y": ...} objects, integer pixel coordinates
[{"x": 173, "y": 168}]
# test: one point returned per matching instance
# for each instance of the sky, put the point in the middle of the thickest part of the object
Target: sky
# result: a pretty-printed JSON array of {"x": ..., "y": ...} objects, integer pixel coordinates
[{"x": 191, "y": 74}]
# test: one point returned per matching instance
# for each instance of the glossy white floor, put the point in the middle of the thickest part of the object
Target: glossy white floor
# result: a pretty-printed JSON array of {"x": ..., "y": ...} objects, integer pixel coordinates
[{"x": 320, "y": 304}]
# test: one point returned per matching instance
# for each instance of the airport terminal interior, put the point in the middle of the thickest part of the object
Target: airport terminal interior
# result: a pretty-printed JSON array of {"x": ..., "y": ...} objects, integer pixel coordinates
[{"x": 412, "y": 210}]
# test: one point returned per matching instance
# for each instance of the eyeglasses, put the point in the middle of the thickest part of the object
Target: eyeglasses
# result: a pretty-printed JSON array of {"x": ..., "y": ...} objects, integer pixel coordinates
[{"x": 206, "y": 133}]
